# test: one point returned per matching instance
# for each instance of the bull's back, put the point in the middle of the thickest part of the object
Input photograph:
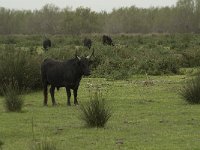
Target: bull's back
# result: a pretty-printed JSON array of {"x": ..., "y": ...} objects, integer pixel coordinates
[
  {"x": 57, "y": 73},
  {"x": 48, "y": 67}
]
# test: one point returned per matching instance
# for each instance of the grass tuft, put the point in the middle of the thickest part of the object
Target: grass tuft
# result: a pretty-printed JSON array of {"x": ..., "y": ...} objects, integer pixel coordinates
[
  {"x": 13, "y": 100},
  {"x": 191, "y": 91},
  {"x": 44, "y": 145},
  {"x": 95, "y": 113}
]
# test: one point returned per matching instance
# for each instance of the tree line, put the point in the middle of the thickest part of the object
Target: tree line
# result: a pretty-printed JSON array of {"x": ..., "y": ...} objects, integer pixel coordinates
[{"x": 184, "y": 17}]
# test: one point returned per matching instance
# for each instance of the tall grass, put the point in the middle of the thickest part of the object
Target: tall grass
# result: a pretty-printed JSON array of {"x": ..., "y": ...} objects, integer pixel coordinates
[
  {"x": 96, "y": 112},
  {"x": 191, "y": 91},
  {"x": 13, "y": 101},
  {"x": 44, "y": 144},
  {"x": 19, "y": 66}
]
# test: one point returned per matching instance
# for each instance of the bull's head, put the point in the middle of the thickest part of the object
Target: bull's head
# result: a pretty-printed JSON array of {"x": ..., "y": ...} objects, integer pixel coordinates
[{"x": 84, "y": 63}]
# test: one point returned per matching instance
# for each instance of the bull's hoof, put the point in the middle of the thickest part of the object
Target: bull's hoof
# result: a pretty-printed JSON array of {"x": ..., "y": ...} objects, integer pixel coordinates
[
  {"x": 45, "y": 105},
  {"x": 68, "y": 104}
]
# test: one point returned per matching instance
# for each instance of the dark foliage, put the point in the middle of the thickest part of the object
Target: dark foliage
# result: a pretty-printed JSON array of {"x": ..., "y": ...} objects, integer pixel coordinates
[
  {"x": 87, "y": 42},
  {"x": 19, "y": 66}
]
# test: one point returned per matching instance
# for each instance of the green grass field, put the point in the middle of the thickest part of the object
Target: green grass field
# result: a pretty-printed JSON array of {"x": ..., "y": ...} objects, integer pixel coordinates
[{"x": 146, "y": 114}]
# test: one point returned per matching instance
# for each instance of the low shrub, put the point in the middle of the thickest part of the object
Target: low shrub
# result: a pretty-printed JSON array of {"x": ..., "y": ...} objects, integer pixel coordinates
[
  {"x": 191, "y": 91},
  {"x": 191, "y": 58},
  {"x": 96, "y": 112},
  {"x": 117, "y": 69},
  {"x": 10, "y": 40},
  {"x": 132, "y": 54},
  {"x": 13, "y": 100},
  {"x": 159, "y": 66},
  {"x": 19, "y": 66}
]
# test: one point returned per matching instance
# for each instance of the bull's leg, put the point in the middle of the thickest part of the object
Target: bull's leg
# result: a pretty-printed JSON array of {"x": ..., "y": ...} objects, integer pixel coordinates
[
  {"x": 52, "y": 89},
  {"x": 68, "y": 96},
  {"x": 75, "y": 96},
  {"x": 45, "y": 88}
]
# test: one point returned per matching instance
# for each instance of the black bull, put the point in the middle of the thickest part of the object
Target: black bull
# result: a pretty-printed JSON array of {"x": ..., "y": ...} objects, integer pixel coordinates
[
  {"x": 107, "y": 40},
  {"x": 46, "y": 44},
  {"x": 87, "y": 42},
  {"x": 66, "y": 74}
]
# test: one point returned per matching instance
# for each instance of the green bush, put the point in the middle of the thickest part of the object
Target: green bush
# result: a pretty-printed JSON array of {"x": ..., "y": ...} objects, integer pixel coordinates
[
  {"x": 21, "y": 67},
  {"x": 191, "y": 58},
  {"x": 10, "y": 40},
  {"x": 60, "y": 53},
  {"x": 117, "y": 68},
  {"x": 13, "y": 100},
  {"x": 95, "y": 113},
  {"x": 111, "y": 72},
  {"x": 159, "y": 66},
  {"x": 132, "y": 54},
  {"x": 191, "y": 91}
]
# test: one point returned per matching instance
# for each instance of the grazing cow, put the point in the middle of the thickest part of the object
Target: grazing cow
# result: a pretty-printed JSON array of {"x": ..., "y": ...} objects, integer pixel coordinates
[
  {"x": 87, "y": 42},
  {"x": 107, "y": 40},
  {"x": 46, "y": 44},
  {"x": 66, "y": 74}
]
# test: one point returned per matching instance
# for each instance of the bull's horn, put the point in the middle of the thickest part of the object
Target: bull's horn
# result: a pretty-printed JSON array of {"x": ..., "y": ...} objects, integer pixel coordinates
[
  {"x": 88, "y": 57},
  {"x": 77, "y": 56}
]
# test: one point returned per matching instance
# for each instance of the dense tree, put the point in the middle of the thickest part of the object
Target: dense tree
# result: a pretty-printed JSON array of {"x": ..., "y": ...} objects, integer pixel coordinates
[{"x": 182, "y": 18}]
